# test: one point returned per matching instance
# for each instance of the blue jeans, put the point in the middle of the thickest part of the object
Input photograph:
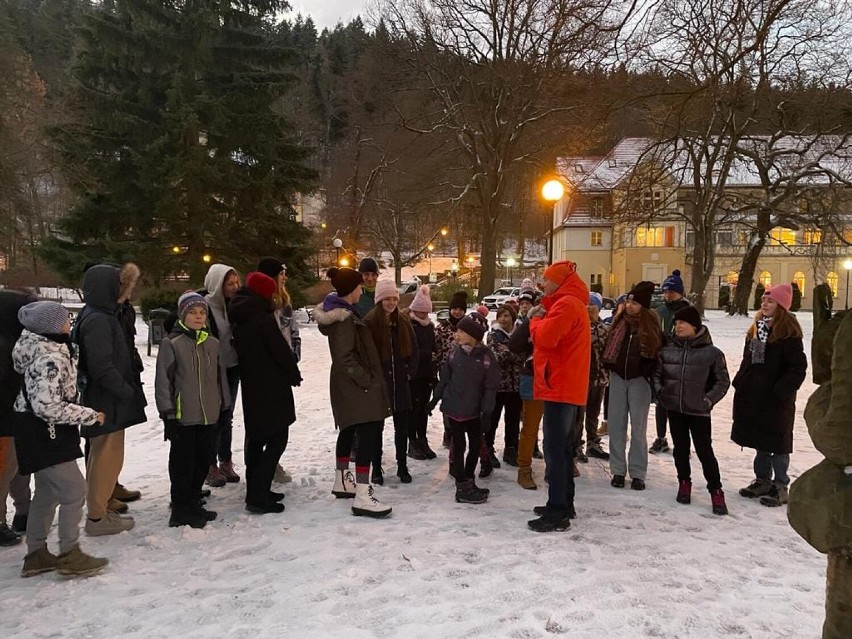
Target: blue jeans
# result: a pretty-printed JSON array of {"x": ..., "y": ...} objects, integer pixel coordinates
[
  {"x": 225, "y": 426},
  {"x": 767, "y": 463},
  {"x": 558, "y": 427}
]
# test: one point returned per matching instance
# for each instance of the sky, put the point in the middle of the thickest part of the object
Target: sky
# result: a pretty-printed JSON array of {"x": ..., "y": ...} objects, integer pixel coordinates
[{"x": 327, "y": 13}]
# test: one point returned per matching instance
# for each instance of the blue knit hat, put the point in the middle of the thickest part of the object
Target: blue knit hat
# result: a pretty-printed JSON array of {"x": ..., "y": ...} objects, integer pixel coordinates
[
  {"x": 596, "y": 299},
  {"x": 189, "y": 301},
  {"x": 673, "y": 282}
]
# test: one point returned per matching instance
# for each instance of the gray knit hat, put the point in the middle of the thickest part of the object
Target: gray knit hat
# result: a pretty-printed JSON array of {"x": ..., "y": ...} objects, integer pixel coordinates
[{"x": 43, "y": 318}]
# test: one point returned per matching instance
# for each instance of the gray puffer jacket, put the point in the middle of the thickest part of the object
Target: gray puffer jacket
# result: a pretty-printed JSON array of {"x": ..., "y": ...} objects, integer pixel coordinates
[
  {"x": 468, "y": 383},
  {"x": 189, "y": 385},
  {"x": 692, "y": 375}
]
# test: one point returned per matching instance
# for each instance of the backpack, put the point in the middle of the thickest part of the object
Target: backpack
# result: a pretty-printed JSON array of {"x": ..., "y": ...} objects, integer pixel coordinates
[{"x": 10, "y": 330}]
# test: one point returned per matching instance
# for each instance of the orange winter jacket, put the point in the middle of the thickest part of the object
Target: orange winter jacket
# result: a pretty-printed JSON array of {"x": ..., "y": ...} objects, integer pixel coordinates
[{"x": 562, "y": 345}]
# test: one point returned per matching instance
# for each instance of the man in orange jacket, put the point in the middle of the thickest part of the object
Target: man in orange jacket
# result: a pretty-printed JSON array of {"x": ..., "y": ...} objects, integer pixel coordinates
[{"x": 561, "y": 338}]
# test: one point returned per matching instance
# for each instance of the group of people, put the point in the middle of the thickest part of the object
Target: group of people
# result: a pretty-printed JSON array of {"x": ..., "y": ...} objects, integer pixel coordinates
[{"x": 549, "y": 359}]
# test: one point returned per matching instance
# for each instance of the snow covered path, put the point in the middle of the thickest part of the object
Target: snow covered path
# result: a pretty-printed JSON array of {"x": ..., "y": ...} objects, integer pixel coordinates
[{"x": 634, "y": 564}]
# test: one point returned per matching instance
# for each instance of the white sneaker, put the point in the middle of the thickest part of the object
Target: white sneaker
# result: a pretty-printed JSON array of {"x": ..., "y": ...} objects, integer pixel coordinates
[
  {"x": 366, "y": 504},
  {"x": 344, "y": 484}
]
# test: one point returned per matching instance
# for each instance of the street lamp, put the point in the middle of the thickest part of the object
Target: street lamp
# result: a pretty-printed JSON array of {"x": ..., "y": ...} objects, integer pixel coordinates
[
  {"x": 510, "y": 262},
  {"x": 444, "y": 231},
  {"x": 430, "y": 248},
  {"x": 344, "y": 261},
  {"x": 552, "y": 191},
  {"x": 455, "y": 269},
  {"x": 847, "y": 264},
  {"x": 337, "y": 243}
]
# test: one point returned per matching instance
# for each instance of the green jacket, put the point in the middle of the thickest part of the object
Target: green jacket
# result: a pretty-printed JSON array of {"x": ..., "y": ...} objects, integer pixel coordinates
[
  {"x": 366, "y": 303},
  {"x": 189, "y": 385},
  {"x": 667, "y": 311}
]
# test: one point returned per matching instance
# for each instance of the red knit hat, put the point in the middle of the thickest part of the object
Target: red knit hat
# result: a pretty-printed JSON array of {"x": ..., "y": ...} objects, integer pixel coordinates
[
  {"x": 261, "y": 284},
  {"x": 558, "y": 272},
  {"x": 782, "y": 294}
]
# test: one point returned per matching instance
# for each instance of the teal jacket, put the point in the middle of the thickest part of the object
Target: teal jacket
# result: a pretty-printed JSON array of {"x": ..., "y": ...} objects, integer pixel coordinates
[{"x": 366, "y": 303}]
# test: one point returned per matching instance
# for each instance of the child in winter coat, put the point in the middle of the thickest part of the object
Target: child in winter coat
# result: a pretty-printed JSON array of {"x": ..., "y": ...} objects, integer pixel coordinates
[
  {"x": 397, "y": 348},
  {"x": 50, "y": 443},
  {"x": 508, "y": 396},
  {"x": 424, "y": 375},
  {"x": 287, "y": 322},
  {"x": 598, "y": 381},
  {"x": 773, "y": 368},
  {"x": 191, "y": 393},
  {"x": 445, "y": 344},
  {"x": 691, "y": 378},
  {"x": 467, "y": 390}
]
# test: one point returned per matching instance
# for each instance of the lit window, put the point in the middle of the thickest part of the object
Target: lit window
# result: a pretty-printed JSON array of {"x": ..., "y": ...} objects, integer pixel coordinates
[
  {"x": 812, "y": 236},
  {"x": 799, "y": 279},
  {"x": 786, "y": 237},
  {"x": 655, "y": 236},
  {"x": 833, "y": 281},
  {"x": 765, "y": 279},
  {"x": 733, "y": 278},
  {"x": 847, "y": 235},
  {"x": 597, "y": 238}
]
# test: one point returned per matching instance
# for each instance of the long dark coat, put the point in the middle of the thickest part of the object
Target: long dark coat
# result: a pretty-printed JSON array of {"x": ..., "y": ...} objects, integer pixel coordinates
[
  {"x": 111, "y": 377},
  {"x": 397, "y": 368},
  {"x": 268, "y": 368},
  {"x": 765, "y": 396},
  {"x": 356, "y": 383}
]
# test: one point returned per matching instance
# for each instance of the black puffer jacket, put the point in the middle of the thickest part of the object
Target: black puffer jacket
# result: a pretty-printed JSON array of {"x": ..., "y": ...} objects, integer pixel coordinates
[
  {"x": 692, "y": 375},
  {"x": 10, "y": 331},
  {"x": 112, "y": 382},
  {"x": 268, "y": 368},
  {"x": 425, "y": 351}
]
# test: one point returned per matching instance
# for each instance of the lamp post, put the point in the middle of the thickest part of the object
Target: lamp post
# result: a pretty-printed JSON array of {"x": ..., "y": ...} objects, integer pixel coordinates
[
  {"x": 455, "y": 270},
  {"x": 552, "y": 191},
  {"x": 337, "y": 243},
  {"x": 510, "y": 262},
  {"x": 847, "y": 264},
  {"x": 430, "y": 248}
]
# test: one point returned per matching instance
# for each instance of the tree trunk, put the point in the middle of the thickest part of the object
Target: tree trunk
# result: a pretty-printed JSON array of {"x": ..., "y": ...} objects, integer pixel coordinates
[
  {"x": 745, "y": 279},
  {"x": 488, "y": 260}
]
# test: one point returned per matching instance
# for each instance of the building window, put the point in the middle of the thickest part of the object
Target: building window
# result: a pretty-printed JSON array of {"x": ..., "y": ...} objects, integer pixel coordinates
[
  {"x": 847, "y": 235},
  {"x": 733, "y": 278},
  {"x": 596, "y": 278},
  {"x": 596, "y": 210},
  {"x": 744, "y": 237},
  {"x": 765, "y": 279},
  {"x": 655, "y": 236},
  {"x": 597, "y": 238},
  {"x": 782, "y": 237},
  {"x": 833, "y": 281},
  {"x": 652, "y": 200},
  {"x": 799, "y": 280},
  {"x": 690, "y": 239},
  {"x": 724, "y": 237},
  {"x": 811, "y": 236}
]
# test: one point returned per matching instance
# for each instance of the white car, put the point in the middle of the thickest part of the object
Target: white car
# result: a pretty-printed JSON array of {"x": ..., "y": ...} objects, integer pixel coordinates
[{"x": 500, "y": 296}]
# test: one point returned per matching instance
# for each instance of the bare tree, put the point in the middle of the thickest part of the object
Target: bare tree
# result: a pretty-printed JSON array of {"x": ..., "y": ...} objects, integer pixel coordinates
[{"x": 498, "y": 74}]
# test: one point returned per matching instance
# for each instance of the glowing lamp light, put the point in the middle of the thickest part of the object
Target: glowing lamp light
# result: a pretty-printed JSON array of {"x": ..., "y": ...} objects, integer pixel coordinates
[
  {"x": 175, "y": 250},
  {"x": 553, "y": 190},
  {"x": 431, "y": 247},
  {"x": 847, "y": 264},
  {"x": 511, "y": 262},
  {"x": 344, "y": 261},
  {"x": 207, "y": 258},
  {"x": 444, "y": 231}
]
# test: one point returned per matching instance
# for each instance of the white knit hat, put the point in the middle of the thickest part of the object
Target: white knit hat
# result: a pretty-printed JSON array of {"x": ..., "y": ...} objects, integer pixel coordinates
[
  {"x": 43, "y": 318},
  {"x": 385, "y": 288}
]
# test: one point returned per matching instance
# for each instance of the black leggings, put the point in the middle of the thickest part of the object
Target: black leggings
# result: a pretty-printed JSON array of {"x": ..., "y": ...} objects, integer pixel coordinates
[
  {"x": 464, "y": 468},
  {"x": 401, "y": 425},
  {"x": 261, "y": 460},
  {"x": 367, "y": 433},
  {"x": 421, "y": 390},
  {"x": 512, "y": 404}
]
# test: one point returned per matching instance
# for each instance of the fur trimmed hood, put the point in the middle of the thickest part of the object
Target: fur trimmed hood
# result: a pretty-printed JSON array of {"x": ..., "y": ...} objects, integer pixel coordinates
[{"x": 128, "y": 278}]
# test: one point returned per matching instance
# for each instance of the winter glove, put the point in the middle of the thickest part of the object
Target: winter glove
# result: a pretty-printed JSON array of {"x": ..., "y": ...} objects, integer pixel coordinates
[{"x": 172, "y": 427}]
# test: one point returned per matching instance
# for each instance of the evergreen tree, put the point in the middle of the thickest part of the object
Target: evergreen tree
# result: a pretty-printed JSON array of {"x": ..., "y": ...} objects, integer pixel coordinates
[{"x": 178, "y": 149}]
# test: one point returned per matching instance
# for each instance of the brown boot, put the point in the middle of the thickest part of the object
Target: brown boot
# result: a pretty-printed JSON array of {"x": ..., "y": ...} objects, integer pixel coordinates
[
  {"x": 525, "y": 478},
  {"x": 76, "y": 563},
  {"x": 117, "y": 506}
]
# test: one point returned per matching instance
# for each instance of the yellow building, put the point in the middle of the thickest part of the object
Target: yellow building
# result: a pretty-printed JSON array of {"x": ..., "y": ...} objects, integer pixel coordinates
[{"x": 617, "y": 255}]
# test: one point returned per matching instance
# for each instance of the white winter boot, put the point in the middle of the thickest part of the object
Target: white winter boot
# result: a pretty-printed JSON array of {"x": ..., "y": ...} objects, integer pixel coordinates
[
  {"x": 344, "y": 484},
  {"x": 366, "y": 504}
]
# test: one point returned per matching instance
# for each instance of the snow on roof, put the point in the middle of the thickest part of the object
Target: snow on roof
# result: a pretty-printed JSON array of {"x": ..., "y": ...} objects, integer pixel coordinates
[{"x": 810, "y": 160}]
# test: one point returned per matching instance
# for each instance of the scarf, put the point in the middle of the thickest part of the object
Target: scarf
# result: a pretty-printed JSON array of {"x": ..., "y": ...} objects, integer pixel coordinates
[
  {"x": 758, "y": 342},
  {"x": 423, "y": 322}
]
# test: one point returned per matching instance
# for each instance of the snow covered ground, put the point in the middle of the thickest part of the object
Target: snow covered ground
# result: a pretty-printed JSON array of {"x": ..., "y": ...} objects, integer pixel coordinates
[{"x": 634, "y": 564}]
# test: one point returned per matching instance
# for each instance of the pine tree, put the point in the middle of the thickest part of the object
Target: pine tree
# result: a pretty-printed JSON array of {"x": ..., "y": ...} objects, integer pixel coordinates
[{"x": 179, "y": 151}]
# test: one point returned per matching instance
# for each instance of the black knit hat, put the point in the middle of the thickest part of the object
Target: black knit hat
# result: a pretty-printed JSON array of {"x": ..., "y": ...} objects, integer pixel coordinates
[
  {"x": 344, "y": 280},
  {"x": 459, "y": 300},
  {"x": 271, "y": 266},
  {"x": 368, "y": 265},
  {"x": 689, "y": 314},
  {"x": 472, "y": 327},
  {"x": 641, "y": 293}
]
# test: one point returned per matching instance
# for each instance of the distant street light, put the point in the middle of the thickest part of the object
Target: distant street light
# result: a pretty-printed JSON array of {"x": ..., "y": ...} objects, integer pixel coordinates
[
  {"x": 848, "y": 266},
  {"x": 553, "y": 190},
  {"x": 510, "y": 262},
  {"x": 430, "y": 248},
  {"x": 344, "y": 261},
  {"x": 207, "y": 258},
  {"x": 444, "y": 231},
  {"x": 455, "y": 269},
  {"x": 337, "y": 243}
]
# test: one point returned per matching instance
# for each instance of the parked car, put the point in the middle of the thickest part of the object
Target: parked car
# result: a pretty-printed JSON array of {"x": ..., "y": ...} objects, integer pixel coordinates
[
  {"x": 657, "y": 298},
  {"x": 608, "y": 304},
  {"x": 499, "y": 297}
]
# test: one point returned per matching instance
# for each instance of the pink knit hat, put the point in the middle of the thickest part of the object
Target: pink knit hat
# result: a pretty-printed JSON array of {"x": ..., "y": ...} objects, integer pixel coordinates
[
  {"x": 422, "y": 303},
  {"x": 482, "y": 310},
  {"x": 385, "y": 288},
  {"x": 782, "y": 294}
]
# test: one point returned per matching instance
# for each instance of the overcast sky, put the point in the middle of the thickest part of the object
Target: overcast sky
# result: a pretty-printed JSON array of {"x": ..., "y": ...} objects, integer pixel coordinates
[{"x": 327, "y": 13}]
